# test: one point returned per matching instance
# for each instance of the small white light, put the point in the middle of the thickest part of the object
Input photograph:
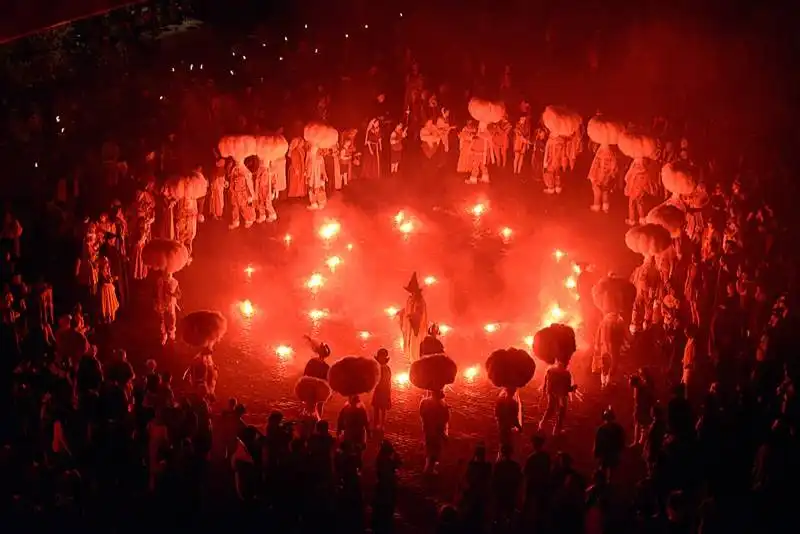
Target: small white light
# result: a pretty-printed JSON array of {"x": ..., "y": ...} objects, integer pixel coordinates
[
  {"x": 347, "y": 36},
  {"x": 280, "y": 58},
  {"x": 244, "y": 58},
  {"x": 285, "y": 38},
  {"x": 231, "y": 73}
]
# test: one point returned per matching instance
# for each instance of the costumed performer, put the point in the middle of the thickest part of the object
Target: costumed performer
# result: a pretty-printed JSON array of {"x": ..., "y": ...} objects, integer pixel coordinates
[
  {"x": 320, "y": 137},
  {"x": 264, "y": 185},
  {"x": 413, "y": 319},
  {"x": 242, "y": 194},
  {"x": 216, "y": 193},
  {"x": 382, "y": 395},
  {"x": 168, "y": 293},
  {"x": 396, "y": 147},
  {"x": 435, "y": 415},
  {"x": 374, "y": 146},
  {"x": 603, "y": 171},
  {"x": 481, "y": 147},
  {"x": 639, "y": 181},
  {"x": 557, "y": 388},
  {"x": 522, "y": 140},
  {"x": 317, "y": 367},
  {"x": 562, "y": 123}
]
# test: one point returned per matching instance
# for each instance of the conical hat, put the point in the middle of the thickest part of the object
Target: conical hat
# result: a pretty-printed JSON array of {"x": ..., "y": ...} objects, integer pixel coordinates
[{"x": 413, "y": 285}]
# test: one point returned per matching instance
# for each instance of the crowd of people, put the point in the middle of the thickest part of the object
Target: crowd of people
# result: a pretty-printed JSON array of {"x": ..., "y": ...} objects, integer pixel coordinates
[{"x": 91, "y": 439}]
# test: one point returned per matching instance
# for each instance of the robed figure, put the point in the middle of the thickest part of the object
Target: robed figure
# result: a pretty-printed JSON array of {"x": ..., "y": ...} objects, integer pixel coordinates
[{"x": 413, "y": 319}]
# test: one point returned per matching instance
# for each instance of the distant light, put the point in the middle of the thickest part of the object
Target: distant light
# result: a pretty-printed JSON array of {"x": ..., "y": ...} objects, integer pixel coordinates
[
  {"x": 161, "y": 97},
  {"x": 263, "y": 45},
  {"x": 470, "y": 373},
  {"x": 400, "y": 217},
  {"x": 478, "y": 209},
  {"x": 576, "y": 268},
  {"x": 329, "y": 230},
  {"x": 315, "y": 281},
  {"x": 401, "y": 344},
  {"x": 244, "y": 58},
  {"x": 247, "y": 309},
  {"x": 401, "y": 15},
  {"x": 558, "y": 254},
  {"x": 58, "y": 118},
  {"x": 347, "y": 36},
  {"x": 284, "y": 351},
  {"x": 366, "y": 26},
  {"x": 233, "y": 54},
  {"x": 287, "y": 239},
  {"x": 491, "y": 328},
  {"x": 444, "y": 329},
  {"x": 402, "y": 379},
  {"x": 333, "y": 262},
  {"x": 35, "y": 164},
  {"x": 529, "y": 341},
  {"x": 231, "y": 72},
  {"x": 506, "y": 232},
  {"x": 201, "y": 66},
  {"x": 191, "y": 66},
  {"x": 407, "y": 227},
  {"x": 349, "y": 246},
  {"x": 305, "y": 26},
  {"x": 429, "y": 280},
  {"x": 316, "y": 50},
  {"x": 570, "y": 283},
  {"x": 173, "y": 69},
  {"x": 391, "y": 311},
  {"x": 316, "y": 315},
  {"x": 280, "y": 58},
  {"x": 249, "y": 270},
  {"x": 364, "y": 335},
  {"x": 285, "y": 38},
  {"x": 62, "y": 130}
]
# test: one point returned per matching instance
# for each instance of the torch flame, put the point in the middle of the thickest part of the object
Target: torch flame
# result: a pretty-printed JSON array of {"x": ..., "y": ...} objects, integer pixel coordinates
[
  {"x": 570, "y": 283},
  {"x": 491, "y": 328},
  {"x": 330, "y": 230},
  {"x": 284, "y": 351},
  {"x": 444, "y": 329},
  {"x": 429, "y": 280},
  {"x": 529, "y": 341},
  {"x": 470, "y": 373},
  {"x": 506, "y": 233},
  {"x": 364, "y": 335},
  {"x": 401, "y": 379},
  {"x": 287, "y": 239},
  {"x": 249, "y": 270},
  {"x": 315, "y": 282},
  {"x": 400, "y": 217},
  {"x": 316, "y": 315},
  {"x": 406, "y": 227},
  {"x": 558, "y": 254},
  {"x": 333, "y": 262},
  {"x": 391, "y": 311},
  {"x": 247, "y": 309},
  {"x": 478, "y": 209}
]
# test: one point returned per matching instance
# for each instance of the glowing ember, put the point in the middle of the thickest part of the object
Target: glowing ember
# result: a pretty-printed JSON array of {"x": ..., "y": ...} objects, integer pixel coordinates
[
  {"x": 429, "y": 280},
  {"x": 407, "y": 227},
  {"x": 316, "y": 315},
  {"x": 249, "y": 270},
  {"x": 529, "y": 341},
  {"x": 284, "y": 351},
  {"x": 364, "y": 335},
  {"x": 349, "y": 246},
  {"x": 315, "y": 282},
  {"x": 247, "y": 309},
  {"x": 330, "y": 230},
  {"x": 576, "y": 268},
  {"x": 570, "y": 283},
  {"x": 558, "y": 254},
  {"x": 478, "y": 209},
  {"x": 506, "y": 233},
  {"x": 470, "y": 373},
  {"x": 333, "y": 262},
  {"x": 391, "y": 311},
  {"x": 444, "y": 329},
  {"x": 401, "y": 379},
  {"x": 555, "y": 314},
  {"x": 400, "y": 217},
  {"x": 491, "y": 328},
  {"x": 287, "y": 239}
]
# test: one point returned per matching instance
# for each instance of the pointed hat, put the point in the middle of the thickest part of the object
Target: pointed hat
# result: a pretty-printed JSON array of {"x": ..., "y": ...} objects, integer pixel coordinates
[{"x": 413, "y": 285}]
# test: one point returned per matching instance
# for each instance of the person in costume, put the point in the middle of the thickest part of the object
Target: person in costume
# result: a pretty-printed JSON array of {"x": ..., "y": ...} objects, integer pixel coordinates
[
  {"x": 186, "y": 222},
  {"x": 242, "y": 193},
  {"x": 608, "y": 346},
  {"x": 522, "y": 140},
  {"x": 216, "y": 191},
  {"x": 555, "y": 163},
  {"x": 317, "y": 367},
  {"x": 413, "y": 319},
  {"x": 264, "y": 182},
  {"x": 501, "y": 132},
  {"x": 396, "y": 146},
  {"x": 373, "y": 147},
  {"x": 508, "y": 414},
  {"x": 603, "y": 176},
  {"x": 297, "y": 172},
  {"x": 557, "y": 387},
  {"x": 316, "y": 178},
  {"x": 109, "y": 304},
  {"x": 347, "y": 154},
  {"x": 201, "y": 202},
  {"x": 382, "y": 395},
  {"x": 435, "y": 415},
  {"x": 481, "y": 153},
  {"x": 431, "y": 343},
  {"x": 168, "y": 293}
]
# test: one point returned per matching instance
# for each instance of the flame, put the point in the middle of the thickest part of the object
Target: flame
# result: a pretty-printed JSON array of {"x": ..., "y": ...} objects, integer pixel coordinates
[
  {"x": 506, "y": 233},
  {"x": 316, "y": 315},
  {"x": 315, "y": 282},
  {"x": 333, "y": 262},
  {"x": 470, "y": 373},
  {"x": 491, "y": 328},
  {"x": 249, "y": 270},
  {"x": 406, "y": 227},
  {"x": 576, "y": 268},
  {"x": 400, "y": 217},
  {"x": 430, "y": 280},
  {"x": 364, "y": 335},
  {"x": 349, "y": 247},
  {"x": 558, "y": 254},
  {"x": 570, "y": 283},
  {"x": 284, "y": 351},
  {"x": 287, "y": 239},
  {"x": 478, "y": 209},
  {"x": 444, "y": 329},
  {"x": 402, "y": 379},
  {"x": 391, "y": 311},
  {"x": 247, "y": 309},
  {"x": 528, "y": 341},
  {"x": 330, "y": 230}
]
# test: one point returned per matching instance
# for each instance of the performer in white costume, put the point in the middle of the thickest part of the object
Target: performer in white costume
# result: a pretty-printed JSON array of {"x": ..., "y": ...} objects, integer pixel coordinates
[
  {"x": 413, "y": 320},
  {"x": 167, "y": 306}
]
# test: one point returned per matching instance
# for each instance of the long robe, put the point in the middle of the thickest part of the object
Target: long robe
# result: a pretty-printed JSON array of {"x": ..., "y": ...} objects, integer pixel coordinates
[
  {"x": 414, "y": 325},
  {"x": 297, "y": 174}
]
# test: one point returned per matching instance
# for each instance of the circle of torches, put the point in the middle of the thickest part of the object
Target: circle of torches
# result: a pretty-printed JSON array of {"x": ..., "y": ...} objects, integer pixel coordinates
[{"x": 406, "y": 224}]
